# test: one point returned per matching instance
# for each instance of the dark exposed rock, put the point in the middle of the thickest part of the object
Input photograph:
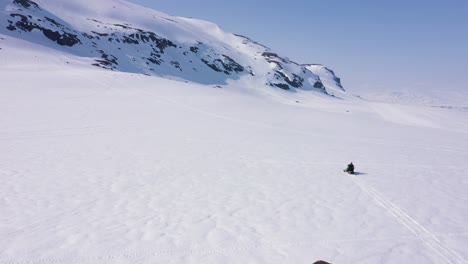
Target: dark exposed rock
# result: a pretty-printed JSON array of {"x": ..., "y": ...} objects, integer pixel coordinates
[
  {"x": 86, "y": 35},
  {"x": 295, "y": 82},
  {"x": 338, "y": 81},
  {"x": 97, "y": 21},
  {"x": 282, "y": 86},
  {"x": 52, "y": 35},
  {"x": 273, "y": 58},
  {"x": 24, "y": 23},
  {"x": 11, "y": 27},
  {"x": 319, "y": 84},
  {"x": 211, "y": 65},
  {"x": 194, "y": 49},
  {"x": 144, "y": 38},
  {"x": 176, "y": 65},
  {"x": 26, "y": 3},
  {"x": 65, "y": 39},
  {"x": 270, "y": 55},
  {"x": 231, "y": 65},
  {"x": 53, "y": 22},
  {"x": 160, "y": 42},
  {"x": 227, "y": 65},
  {"x": 100, "y": 34},
  {"x": 129, "y": 40},
  {"x": 249, "y": 68},
  {"x": 154, "y": 61},
  {"x": 155, "y": 58},
  {"x": 279, "y": 75},
  {"x": 109, "y": 58},
  {"x": 119, "y": 25},
  {"x": 104, "y": 63},
  {"x": 335, "y": 78},
  {"x": 278, "y": 64}
]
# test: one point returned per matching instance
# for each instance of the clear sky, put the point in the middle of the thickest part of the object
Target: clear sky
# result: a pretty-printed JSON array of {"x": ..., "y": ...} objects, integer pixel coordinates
[{"x": 381, "y": 44}]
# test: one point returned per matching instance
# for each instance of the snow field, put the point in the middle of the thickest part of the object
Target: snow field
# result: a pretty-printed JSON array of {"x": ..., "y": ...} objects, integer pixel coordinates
[{"x": 105, "y": 167}]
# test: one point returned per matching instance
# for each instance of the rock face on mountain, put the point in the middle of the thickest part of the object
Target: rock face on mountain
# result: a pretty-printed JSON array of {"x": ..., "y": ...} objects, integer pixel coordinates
[
  {"x": 156, "y": 44},
  {"x": 327, "y": 76}
]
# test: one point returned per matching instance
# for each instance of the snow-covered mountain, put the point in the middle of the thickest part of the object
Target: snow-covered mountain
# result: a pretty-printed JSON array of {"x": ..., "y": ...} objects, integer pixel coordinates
[{"x": 125, "y": 37}]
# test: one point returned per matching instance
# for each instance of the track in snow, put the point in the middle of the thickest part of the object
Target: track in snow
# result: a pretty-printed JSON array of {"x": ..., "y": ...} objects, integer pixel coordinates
[{"x": 428, "y": 238}]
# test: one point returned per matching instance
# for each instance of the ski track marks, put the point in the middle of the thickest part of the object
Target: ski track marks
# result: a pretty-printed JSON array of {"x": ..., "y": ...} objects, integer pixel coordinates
[{"x": 428, "y": 238}]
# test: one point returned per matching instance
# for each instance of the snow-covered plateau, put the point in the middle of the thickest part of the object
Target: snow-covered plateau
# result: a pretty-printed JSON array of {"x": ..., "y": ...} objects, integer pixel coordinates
[{"x": 223, "y": 152}]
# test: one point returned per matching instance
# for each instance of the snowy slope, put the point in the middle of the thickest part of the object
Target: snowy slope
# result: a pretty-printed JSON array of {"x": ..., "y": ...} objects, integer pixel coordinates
[
  {"x": 126, "y": 37},
  {"x": 102, "y": 166}
]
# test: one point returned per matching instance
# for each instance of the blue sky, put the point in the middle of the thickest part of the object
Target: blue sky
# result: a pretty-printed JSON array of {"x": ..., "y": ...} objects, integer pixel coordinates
[{"x": 369, "y": 44}]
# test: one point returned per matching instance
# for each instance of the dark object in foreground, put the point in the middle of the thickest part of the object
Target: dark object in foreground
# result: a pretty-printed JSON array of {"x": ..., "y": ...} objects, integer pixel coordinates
[
  {"x": 350, "y": 168},
  {"x": 321, "y": 262}
]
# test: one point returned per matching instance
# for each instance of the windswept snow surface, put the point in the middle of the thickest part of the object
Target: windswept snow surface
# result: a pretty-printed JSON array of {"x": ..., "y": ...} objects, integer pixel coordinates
[{"x": 107, "y": 167}]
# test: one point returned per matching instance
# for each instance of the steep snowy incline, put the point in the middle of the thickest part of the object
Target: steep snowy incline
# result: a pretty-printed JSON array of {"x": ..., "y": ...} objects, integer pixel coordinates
[
  {"x": 102, "y": 166},
  {"x": 126, "y": 37}
]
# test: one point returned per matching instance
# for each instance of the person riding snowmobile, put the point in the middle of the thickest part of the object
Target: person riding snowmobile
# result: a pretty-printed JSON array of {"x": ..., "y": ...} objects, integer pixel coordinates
[{"x": 350, "y": 168}]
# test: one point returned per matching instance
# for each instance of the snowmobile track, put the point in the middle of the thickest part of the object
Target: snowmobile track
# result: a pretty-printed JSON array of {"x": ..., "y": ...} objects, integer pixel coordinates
[{"x": 428, "y": 238}]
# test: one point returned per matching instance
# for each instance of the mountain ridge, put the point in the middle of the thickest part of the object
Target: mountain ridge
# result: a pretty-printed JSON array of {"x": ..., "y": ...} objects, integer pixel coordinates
[{"x": 159, "y": 44}]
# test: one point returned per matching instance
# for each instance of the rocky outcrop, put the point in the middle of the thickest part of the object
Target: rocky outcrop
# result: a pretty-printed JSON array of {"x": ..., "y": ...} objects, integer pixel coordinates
[
  {"x": 287, "y": 74},
  {"x": 328, "y": 78},
  {"x": 60, "y": 34},
  {"x": 26, "y": 4},
  {"x": 226, "y": 65}
]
